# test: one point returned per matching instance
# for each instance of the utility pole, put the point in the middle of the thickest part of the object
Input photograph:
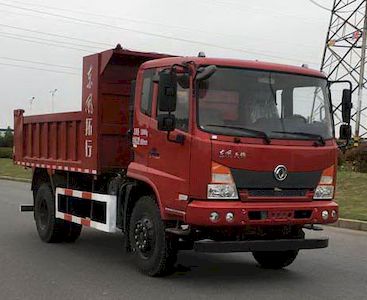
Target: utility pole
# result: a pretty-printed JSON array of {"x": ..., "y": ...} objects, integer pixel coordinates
[
  {"x": 345, "y": 55},
  {"x": 53, "y": 92}
]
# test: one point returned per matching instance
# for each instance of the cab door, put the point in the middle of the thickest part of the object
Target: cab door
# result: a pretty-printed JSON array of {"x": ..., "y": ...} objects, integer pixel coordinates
[{"x": 169, "y": 160}]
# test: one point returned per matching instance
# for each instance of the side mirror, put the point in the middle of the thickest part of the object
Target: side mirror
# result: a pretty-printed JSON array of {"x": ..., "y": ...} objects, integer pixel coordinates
[
  {"x": 347, "y": 105},
  {"x": 345, "y": 132},
  {"x": 166, "y": 122},
  {"x": 206, "y": 73},
  {"x": 167, "y": 91}
]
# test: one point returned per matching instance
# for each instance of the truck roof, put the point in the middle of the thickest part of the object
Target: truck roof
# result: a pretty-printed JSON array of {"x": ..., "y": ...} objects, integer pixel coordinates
[{"x": 246, "y": 64}]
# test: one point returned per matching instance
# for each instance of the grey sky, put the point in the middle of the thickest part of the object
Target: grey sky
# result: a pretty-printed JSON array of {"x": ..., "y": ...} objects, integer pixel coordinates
[{"x": 287, "y": 31}]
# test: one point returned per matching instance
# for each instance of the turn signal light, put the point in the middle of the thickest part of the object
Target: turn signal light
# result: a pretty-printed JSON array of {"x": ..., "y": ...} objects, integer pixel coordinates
[
  {"x": 325, "y": 189},
  {"x": 327, "y": 176}
]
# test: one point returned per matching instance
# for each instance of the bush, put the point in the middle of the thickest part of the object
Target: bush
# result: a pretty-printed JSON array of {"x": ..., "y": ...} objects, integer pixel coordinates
[
  {"x": 357, "y": 158},
  {"x": 6, "y": 152}
]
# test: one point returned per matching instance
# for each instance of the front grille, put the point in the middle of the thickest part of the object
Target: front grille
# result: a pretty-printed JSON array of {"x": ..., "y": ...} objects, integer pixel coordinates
[
  {"x": 257, "y": 180},
  {"x": 277, "y": 193}
]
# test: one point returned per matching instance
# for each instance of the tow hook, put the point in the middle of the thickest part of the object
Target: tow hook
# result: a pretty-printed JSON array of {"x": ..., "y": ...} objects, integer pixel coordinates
[{"x": 26, "y": 208}]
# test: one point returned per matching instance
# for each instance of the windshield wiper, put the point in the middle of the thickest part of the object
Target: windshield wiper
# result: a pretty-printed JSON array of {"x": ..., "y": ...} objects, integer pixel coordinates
[
  {"x": 320, "y": 140},
  {"x": 257, "y": 133}
]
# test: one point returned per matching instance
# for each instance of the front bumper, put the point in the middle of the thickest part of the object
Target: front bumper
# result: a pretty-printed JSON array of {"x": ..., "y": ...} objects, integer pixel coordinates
[
  {"x": 260, "y": 213},
  {"x": 260, "y": 245}
]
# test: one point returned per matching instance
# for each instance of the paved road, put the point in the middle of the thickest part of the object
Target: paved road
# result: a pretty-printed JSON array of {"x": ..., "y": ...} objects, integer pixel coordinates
[{"x": 95, "y": 267}]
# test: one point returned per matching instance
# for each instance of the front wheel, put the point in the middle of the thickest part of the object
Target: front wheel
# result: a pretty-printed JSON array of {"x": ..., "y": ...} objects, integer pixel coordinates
[
  {"x": 274, "y": 259},
  {"x": 154, "y": 252}
]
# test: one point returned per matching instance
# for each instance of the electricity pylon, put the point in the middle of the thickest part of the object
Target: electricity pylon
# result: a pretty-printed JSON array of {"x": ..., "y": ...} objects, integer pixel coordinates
[{"x": 345, "y": 54}]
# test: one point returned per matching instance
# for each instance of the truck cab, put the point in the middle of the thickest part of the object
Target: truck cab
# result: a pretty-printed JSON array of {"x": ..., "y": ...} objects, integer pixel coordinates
[{"x": 247, "y": 143}]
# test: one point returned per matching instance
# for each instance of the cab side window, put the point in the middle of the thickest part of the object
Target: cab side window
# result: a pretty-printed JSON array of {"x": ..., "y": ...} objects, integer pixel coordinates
[{"x": 147, "y": 92}]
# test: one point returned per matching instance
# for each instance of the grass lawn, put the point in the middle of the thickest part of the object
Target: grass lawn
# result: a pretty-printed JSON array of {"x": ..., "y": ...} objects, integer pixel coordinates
[
  {"x": 6, "y": 152},
  {"x": 351, "y": 194},
  {"x": 7, "y": 168}
]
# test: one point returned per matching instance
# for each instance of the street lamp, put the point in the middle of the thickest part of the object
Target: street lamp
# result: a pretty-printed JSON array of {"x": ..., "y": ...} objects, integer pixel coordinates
[
  {"x": 52, "y": 92},
  {"x": 31, "y": 103}
]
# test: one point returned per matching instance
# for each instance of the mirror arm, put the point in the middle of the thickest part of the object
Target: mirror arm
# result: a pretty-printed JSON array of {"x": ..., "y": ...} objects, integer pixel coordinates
[{"x": 342, "y": 81}]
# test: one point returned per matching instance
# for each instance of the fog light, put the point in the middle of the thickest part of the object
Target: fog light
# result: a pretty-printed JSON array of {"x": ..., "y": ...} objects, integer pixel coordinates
[
  {"x": 229, "y": 217},
  {"x": 214, "y": 217},
  {"x": 334, "y": 214},
  {"x": 325, "y": 215}
]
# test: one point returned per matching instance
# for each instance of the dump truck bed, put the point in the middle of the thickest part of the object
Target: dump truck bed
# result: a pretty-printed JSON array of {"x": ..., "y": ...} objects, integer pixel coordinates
[
  {"x": 96, "y": 139},
  {"x": 52, "y": 141}
]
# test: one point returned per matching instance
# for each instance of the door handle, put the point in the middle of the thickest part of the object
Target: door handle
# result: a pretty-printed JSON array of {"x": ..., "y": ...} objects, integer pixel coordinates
[{"x": 153, "y": 153}]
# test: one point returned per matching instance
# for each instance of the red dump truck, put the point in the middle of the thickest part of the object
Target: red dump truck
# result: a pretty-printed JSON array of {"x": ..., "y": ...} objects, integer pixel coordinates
[{"x": 215, "y": 155}]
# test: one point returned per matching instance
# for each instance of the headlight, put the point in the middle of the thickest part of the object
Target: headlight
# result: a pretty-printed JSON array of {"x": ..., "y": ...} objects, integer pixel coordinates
[
  {"x": 222, "y": 191},
  {"x": 323, "y": 192}
]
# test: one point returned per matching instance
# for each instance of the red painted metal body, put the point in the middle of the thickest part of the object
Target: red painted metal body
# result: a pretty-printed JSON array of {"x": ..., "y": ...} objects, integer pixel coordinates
[{"x": 96, "y": 140}]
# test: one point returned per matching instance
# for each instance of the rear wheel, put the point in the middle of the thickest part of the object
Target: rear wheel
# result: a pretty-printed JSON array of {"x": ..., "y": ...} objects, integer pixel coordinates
[
  {"x": 155, "y": 252},
  {"x": 50, "y": 229}
]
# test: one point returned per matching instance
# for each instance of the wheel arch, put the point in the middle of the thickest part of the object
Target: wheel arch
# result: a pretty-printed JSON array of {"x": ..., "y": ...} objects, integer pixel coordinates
[
  {"x": 144, "y": 187},
  {"x": 130, "y": 192}
]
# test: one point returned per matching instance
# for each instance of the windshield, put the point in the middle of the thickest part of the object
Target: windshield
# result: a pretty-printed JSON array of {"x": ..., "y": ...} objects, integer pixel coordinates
[{"x": 240, "y": 102}]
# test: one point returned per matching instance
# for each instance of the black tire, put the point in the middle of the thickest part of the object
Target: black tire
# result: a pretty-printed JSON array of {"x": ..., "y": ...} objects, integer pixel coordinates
[
  {"x": 72, "y": 232},
  {"x": 154, "y": 252},
  {"x": 275, "y": 260},
  {"x": 50, "y": 229},
  {"x": 279, "y": 259}
]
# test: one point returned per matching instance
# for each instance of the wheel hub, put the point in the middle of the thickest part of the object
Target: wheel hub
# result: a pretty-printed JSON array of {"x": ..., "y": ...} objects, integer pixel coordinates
[{"x": 142, "y": 235}]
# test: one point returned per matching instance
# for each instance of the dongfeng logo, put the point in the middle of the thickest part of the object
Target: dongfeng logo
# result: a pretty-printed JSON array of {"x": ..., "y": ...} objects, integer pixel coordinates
[{"x": 280, "y": 173}]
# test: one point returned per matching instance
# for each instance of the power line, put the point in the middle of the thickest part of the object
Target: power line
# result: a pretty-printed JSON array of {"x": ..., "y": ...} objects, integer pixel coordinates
[
  {"x": 319, "y": 5},
  {"x": 39, "y": 63},
  {"x": 149, "y": 33},
  {"x": 54, "y": 34},
  {"x": 42, "y": 43},
  {"x": 226, "y": 35},
  {"x": 328, "y": 9},
  {"x": 140, "y": 21},
  {"x": 225, "y": 4},
  {"x": 39, "y": 69},
  {"x": 48, "y": 40},
  {"x": 105, "y": 16}
]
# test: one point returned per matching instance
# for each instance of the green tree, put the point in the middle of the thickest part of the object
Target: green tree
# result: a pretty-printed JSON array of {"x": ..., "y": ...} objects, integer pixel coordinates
[{"x": 7, "y": 139}]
